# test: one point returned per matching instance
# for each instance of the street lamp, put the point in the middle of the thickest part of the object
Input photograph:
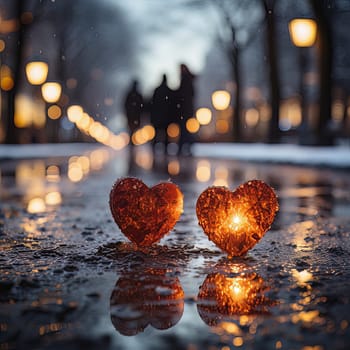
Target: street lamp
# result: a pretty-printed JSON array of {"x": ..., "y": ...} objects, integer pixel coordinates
[
  {"x": 221, "y": 101},
  {"x": 303, "y": 33},
  {"x": 51, "y": 91},
  {"x": 36, "y": 72}
]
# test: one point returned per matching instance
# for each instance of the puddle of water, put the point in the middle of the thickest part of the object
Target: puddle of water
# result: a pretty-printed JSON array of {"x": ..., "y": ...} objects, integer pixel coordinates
[{"x": 184, "y": 290}]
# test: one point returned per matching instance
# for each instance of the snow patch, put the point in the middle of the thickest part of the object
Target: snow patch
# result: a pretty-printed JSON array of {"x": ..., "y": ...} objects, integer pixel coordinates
[{"x": 335, "y": 156}]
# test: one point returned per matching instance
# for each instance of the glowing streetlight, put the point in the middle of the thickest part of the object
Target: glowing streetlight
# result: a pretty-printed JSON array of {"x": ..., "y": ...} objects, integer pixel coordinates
[
  {"x": 221, "y": 99},
  {"x": 303, "y": 31},
  {"x": 51, "y": 91},
  {"x": 36, "y": 72}
]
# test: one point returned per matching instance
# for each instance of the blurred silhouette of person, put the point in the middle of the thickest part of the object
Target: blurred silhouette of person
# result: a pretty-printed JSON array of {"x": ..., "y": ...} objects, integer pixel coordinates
[
  {"x": 133, "y": 106},
  {"x": 161, "y": 110},
  {"x": 185, "y": 97}
]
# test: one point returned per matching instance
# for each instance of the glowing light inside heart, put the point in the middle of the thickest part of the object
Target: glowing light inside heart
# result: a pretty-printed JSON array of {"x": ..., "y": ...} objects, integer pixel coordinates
[
  {"x": 236, "y": 289},
  {"x": 236, "y": 221},
  {"x": 222, "y": 294}
]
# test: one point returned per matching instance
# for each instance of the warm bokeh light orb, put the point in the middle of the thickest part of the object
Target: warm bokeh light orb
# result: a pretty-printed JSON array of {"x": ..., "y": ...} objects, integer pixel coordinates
[
  {"x": 174, "y": 167},
  {"x": 144, "y": 159},
  {"x": 54, "y": 112},
  {"x": 51, "y": 91},
  {"x": 6, "y": 79},
  {"x": 204, "y": 116},
  {"x": 303, "y": 31},
  {"x": 84, "y": 122},
  {"x": 53, "y": 198},
  {"x": 23, "y": 117},
  {"x": 203, "y": 171},
  {"x": 75, "y": 169},
  {"x": 36, "y": 72},
  {"x": 138, "y": 138},
  {"x": 192, "y": 125},
  {"x": 149, "y": 132},
  {"x": 173, "y": 130},
  {"x": 7, "y": 83},
  {"x": 252, "y": 117},
  {"x": 74, "y": 113},
  {"x": 36, "y": 205},
  {"x": 2, "y": 45},
  {"x": 117, "y": 142},
  {"x": 221, "y": 99},
  {"x": 53, "y": 173}
]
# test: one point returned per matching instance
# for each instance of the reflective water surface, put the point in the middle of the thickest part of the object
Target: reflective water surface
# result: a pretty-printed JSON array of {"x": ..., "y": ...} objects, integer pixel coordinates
[{"x": 69, "y": 278}]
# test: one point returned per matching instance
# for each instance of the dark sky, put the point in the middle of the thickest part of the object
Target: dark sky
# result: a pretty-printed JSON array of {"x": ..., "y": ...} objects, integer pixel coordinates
[{"x": 168, "y": 34}]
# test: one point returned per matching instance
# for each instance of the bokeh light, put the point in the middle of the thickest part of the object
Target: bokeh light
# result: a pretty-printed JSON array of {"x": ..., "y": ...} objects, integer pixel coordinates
[
  {"x": 303, "y": 31},
  {"x": 51, "y": 91},
  {"x": 54, "y": 112},
  {"x": 192, "y": 125},
  {"x": 74, "y": 113},
  {"x": 53, "y": 198},
  {"x": 203, "y": 171},
  {"x": 36, "y": 72},
  {"x": 204, "y": 116},
  {"x": 173, "y": 130},
  {"x": 221, "y": 99},
  {"x": 36, "y": 205}
]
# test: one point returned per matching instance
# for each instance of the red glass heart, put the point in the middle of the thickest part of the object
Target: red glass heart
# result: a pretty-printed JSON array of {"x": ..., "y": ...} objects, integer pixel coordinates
[
  {"x": 236, "y": 221},
  {"x": 145, "y": 214}
]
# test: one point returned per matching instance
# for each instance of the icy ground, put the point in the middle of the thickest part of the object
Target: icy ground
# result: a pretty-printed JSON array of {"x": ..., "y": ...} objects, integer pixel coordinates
[{"x": 69, "y": 278}]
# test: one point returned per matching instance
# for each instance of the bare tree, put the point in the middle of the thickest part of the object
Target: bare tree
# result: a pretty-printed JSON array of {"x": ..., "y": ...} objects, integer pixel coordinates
[
  {"x": 87, "y": 40},
  {"x": 325, "y": 51},
  {"x": 274, "y": 86},
  {"x": 232, "y": 14},
  {"x": 11, "y": 134}
]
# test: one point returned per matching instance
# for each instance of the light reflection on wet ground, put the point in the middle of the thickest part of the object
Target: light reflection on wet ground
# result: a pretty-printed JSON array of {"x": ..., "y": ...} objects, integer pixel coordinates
[{"x": 67, "y": 272}]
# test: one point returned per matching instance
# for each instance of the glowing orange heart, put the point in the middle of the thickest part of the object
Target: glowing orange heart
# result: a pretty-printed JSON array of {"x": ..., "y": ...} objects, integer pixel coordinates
[
  {"x": 230, "y": 293},
  {"x": 145, "y": 214},
  {"x": 236, "y": 221}
]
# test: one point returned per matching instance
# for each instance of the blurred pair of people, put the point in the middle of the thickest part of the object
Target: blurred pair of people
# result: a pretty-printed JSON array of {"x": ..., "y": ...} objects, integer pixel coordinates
[
  {"x": 167, "y": 106},
  {"x": 173, "y": 107}
]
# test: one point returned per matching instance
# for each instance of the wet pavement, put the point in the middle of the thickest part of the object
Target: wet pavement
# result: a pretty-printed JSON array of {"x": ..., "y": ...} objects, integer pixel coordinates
[{"x": 70, "y": 279}]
